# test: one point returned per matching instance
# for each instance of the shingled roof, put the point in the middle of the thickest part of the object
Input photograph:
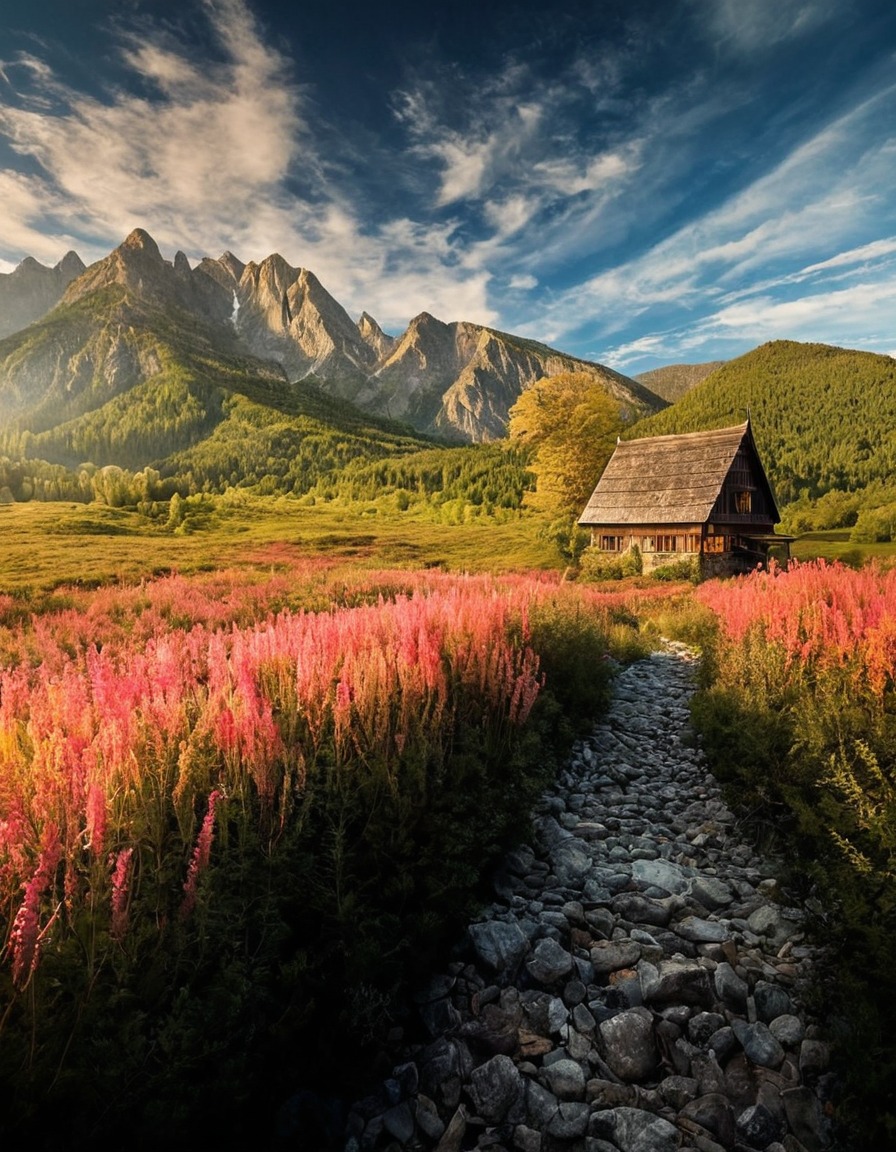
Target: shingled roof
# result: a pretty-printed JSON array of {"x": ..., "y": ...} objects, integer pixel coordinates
[{"x": 667, "y": 479}]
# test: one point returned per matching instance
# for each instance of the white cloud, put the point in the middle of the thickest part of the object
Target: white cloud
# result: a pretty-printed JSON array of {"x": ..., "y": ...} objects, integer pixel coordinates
[
  {"x": 746, "y": 26},
  {"x": 523, "y": 283}
]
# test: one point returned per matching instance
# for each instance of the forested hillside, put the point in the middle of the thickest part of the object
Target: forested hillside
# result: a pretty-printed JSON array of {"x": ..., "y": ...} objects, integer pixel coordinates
[{"x": 824, "y": 419}]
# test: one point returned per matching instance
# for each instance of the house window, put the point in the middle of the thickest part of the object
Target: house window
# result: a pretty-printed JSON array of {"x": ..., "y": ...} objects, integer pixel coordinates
[
  {"x": 648, "y": 544},
  {"x": 693, "y": 543},
  {"x": 715, "y": 544},
  {"x": 611, "y": 543},
  {"x": 742, "y": 502},
  {"x": 667, "y": 543}
]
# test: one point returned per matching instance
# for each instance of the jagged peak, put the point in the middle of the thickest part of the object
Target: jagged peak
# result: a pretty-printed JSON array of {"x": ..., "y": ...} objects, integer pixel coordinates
[
  {"x": 30, "y": 263},
  {"x": 71, "y": 264},
  {"x": 182, "y": 264},
  {"x": 140, "y": 241},
  {"x": 232, "y": 263},
  {"x": 426, "y": 322},
  {"x": 367, "y": 324}
]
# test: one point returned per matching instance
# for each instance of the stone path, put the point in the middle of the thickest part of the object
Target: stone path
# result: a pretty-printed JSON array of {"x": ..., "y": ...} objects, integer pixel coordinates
[{"x": 635, "y": 987}]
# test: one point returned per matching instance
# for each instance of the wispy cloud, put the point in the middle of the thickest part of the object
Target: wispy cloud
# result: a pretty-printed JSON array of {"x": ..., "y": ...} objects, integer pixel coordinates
[
  {"x": 733, "y": 267},
  {"x": 743, "y": 28}
]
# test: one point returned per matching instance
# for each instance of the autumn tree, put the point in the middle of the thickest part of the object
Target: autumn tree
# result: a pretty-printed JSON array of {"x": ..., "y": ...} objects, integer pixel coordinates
[{"x": 570, "y": 424}]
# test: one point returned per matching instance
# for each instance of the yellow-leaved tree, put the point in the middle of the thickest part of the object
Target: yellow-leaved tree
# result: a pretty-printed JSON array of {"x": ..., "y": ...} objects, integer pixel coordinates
[{"x": 570, "y": 423}]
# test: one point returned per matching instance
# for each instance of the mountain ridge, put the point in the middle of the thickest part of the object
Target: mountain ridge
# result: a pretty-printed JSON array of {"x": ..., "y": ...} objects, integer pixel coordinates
[{"x": 456, "y": 380}]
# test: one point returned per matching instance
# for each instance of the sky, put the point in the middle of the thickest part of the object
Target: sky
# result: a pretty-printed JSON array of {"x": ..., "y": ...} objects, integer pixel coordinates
[{"x": 635, "y": 182}]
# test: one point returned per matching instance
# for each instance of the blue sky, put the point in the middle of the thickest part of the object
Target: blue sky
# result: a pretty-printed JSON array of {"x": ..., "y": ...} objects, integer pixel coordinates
[{"x": 638, "y": 183}]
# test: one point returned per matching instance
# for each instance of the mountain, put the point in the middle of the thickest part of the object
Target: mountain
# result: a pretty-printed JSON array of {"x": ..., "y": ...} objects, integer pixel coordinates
[
  {"x": 824, "y": 418},
  {"x": 140, "y": 365},
  {"x": 673, "y": 380},
  {"x": 133, "y": 318},
  {"x": 32, "y": 289}
]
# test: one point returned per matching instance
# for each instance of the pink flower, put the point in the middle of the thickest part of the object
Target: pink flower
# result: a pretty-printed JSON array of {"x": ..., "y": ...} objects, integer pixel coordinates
[
  {"x": 120, "y": 884},
  {"x": 26, "y": 935},
  {"x": 201, "y": 854}
]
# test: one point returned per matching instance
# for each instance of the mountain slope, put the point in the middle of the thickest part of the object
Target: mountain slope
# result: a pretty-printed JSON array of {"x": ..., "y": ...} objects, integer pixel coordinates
[
  {"x": 140, "y": 364},
  {"x": 824, "y": 418},
  {"x": 672, "y": 381},
  {"x": 32, "y": 289}
]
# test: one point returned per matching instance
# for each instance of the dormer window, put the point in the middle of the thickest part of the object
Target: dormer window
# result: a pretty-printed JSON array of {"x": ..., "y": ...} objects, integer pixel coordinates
[{"x": 742, "y": 502}]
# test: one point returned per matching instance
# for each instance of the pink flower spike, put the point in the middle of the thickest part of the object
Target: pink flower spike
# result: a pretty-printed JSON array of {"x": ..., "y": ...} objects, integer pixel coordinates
[{"x": 201, "y": 854}]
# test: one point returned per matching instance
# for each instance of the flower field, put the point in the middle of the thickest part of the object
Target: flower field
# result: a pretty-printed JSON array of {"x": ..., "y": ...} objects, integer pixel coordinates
[
  {"x": 801, "y": 720},
  {"x": 224, "y": 800}
]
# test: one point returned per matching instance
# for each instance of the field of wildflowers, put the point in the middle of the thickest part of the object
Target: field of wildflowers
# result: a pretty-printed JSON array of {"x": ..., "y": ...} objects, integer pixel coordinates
[
  {"x": 227, "y": 804},
  {"x": 801, "y": 719}
]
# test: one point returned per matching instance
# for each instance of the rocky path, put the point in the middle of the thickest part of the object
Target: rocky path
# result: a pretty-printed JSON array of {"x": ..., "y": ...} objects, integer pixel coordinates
[{"x": 635, "y": 987}]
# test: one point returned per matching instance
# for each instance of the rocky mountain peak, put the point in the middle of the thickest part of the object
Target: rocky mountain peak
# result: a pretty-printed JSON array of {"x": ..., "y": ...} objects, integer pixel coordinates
[
  {"x": 32, "y": 289},
  {"x": 182, "y": 264},
  {"x": 140, "y": 241},
  {"x": 232, "y": 264},
  {"x": 70, "y": 266},
  {"x": 372, "y": 334}
]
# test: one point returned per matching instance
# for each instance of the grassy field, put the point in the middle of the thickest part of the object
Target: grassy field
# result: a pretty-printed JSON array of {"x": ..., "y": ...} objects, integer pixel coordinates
[
  {"x": 836, "y": 545},
  {"x": 48, "y": 545}
]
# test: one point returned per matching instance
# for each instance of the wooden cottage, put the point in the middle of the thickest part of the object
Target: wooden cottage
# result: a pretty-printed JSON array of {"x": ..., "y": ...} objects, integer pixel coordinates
[{"x": 701, "y": 495}]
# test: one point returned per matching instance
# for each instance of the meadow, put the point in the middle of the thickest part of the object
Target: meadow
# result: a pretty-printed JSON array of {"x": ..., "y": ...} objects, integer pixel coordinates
[
  {"x": 251, "y": 781},
  {"x": 258, "y": 757}
]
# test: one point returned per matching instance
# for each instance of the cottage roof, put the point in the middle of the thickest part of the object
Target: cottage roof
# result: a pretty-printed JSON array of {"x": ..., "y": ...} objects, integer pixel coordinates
[{"x": 669, "y": 479}]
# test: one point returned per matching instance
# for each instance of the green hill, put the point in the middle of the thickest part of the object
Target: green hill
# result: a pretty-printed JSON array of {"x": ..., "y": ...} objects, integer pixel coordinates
[{"x": 824, "y": 419}]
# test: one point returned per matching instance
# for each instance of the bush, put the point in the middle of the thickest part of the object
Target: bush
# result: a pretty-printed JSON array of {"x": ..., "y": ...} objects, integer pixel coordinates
[{"x": 597, "y": 565}]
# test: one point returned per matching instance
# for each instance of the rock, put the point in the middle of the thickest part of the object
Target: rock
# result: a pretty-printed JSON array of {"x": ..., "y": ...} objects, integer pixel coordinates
[
  {"x": 499, "y": 945},
  {"x": 454, "y": 1134},
  {"x": 660, "y": 874},
  {"x": 427, "y": 1117},
  {"x": 612, "y": 955},
  {"x": 730, "y": 988},
  {"x": 770, "y": 922},
  {"x": 714, "y": 1113},
  {"x": 701, "y": 931},
  {"x": 642, "y": 910},
  {"x": 675, "y": 982},
  {"x": 549, "y": 962},
  {"x": 703, "y": 1026},
  {"x": 526, "y": 1139},
  {"x": 678, "y": 1091},
  {"x": 495, "y": 1087},
  {"x": 757, "y": 1127},
  {"x": 566, "y": 1080},
  {"x": 788, "y": 1030},
  {"x": 711, "y": 892},
  {"x": 634, "y": 1130},
  {"x": 771, "y": 1001},
  {"x": 758, "y": 1043},
  {"x": 629, "y": 1046},
  {"x": 541, "y": 1105},
  {"x": 570, "y": 1121},
  {"x": 572, "y": 862}
]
